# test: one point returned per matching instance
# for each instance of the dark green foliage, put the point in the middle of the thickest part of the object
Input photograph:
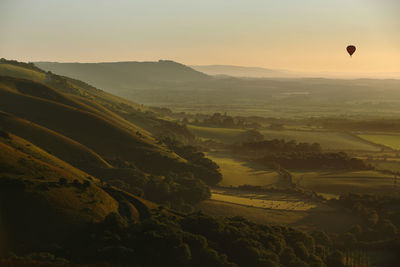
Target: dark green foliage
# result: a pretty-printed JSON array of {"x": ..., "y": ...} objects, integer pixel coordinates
[
  {"x": 194, "y": 240},
  {"x": 275, "y": 146},
  {"x": 298, "y": 156},
  {"x": 201, "y": 167},
  {"x": 4, "y": 134}
]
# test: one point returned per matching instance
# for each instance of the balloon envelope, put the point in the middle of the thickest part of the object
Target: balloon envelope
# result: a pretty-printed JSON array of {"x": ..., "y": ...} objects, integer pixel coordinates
[{"x": 351, "y": 49}]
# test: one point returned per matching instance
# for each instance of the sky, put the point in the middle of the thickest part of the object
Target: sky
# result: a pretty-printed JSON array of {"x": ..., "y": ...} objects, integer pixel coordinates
[{"x": 300, "y": 35}]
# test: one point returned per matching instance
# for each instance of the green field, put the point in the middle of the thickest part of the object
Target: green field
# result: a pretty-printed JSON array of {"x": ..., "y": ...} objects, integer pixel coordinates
[
  {"x": 328, "y": 140},
  {"x": 336, "y": 183},
  {"x": 393, "y": 166},
  {"x": 236, "y": 172},
  {"x": 223, "y": 135},
  {"x": 392, "y": 141},
  {"x": 330, "y": 220}
]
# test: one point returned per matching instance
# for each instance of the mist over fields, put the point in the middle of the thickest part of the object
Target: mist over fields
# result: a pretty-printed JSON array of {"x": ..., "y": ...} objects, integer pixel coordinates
[{"x": 176, "y": 86}]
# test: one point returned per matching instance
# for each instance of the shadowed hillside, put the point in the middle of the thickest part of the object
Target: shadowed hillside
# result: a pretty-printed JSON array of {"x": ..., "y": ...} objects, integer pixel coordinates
[{"x": 97, "y": 132}]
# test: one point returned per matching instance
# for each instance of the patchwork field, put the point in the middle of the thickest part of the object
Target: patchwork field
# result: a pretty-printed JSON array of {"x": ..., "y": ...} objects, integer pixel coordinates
[
  {"x": 389, "y": 140},
  {"x": 236, "y": 172}
]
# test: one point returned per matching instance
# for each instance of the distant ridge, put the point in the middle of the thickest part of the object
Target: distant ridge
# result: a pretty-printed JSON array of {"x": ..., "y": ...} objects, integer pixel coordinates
[
  {"x": 239, "y": 71},
  {"x": 259, "y": 72}
]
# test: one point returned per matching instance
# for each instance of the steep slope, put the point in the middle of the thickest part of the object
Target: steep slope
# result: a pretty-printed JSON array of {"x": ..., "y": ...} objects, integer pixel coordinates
[
  {"x": 122, "y": 111},
  {"x": 42, "y": 198},
  {"x": 53, "y": 142},
  {"x": 95, "y": 132},
  {"x": 106, "y": 137}
]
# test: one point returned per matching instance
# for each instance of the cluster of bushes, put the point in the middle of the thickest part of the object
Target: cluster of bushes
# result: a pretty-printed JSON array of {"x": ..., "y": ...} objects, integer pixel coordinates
[
  {"x": 179, "y": 191},
  {"x": 196, "y": 240},
  {"x": 380, "y": 217},
  {"x": 222, "y": 121},
  {"x": 201, "y": 167},
  {"x": 297, "y": 156},
  {"x": 314, "y": 161},
  {"x": 360, "y": 125}
]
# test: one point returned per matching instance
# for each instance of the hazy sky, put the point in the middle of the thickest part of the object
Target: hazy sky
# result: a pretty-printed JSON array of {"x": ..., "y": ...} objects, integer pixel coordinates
[{"x": 308, "y": 35}]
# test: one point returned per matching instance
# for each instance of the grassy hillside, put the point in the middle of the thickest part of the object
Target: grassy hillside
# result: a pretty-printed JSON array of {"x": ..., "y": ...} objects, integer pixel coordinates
[
  {"x": 102, "y": 135},
  {"x": 53, "y": 142},
  {"x": 43, "y": 198},
  {"x": 21, "y": 72},
  {"x": 124, "y": 112},
  {"x": 90, "y": 129}
]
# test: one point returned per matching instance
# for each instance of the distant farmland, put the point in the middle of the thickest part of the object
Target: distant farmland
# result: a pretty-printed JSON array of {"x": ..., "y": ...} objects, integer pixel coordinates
[
  {"x": 328, "y": 140},
  {"x": 392, "y": 141}
]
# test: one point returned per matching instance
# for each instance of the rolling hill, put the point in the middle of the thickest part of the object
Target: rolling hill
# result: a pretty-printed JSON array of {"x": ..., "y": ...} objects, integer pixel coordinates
[
  {"x": 116, "y": 76},
  {"x": 100, "y": 134},
  {"x": 64, "y": 145}
]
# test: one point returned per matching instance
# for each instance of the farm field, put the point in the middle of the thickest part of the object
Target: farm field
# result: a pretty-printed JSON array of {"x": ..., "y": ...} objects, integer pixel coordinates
[
  {"x": 223, "y": 135},
  {"x": 389, "y": 140},
  {"x": 271, "y": 200},
  {"x": 327, "y": 220},
  {"x": 328, "y": 140},
  {"x": 336, "y": 183},
  {"x": 236, "y": 172},
  {"x": 392, "y": 165}
]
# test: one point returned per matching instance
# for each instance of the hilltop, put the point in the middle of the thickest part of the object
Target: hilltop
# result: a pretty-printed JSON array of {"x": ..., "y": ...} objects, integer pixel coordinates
[
  {"x": 239, "y": 71},
  {"x": 115, "y": 77}
]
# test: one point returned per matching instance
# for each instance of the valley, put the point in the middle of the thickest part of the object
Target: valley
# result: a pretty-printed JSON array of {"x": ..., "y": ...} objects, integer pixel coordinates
[{"x": 78, "y": 156}]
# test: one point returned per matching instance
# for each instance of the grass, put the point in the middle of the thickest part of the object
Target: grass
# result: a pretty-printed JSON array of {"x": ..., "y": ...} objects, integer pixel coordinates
[
  {"x": 223, "y": 135},
  {"x": 37, "y": 208},
  {"x": 27, "y": 162},
  {"x": 332, "y": 221},
  {"x": 386, "y": 165},
  {"x": 336, "y": 183},
  {"x": 20, "y": 72},
  {"x": 93, "y": 129},
  {"x": 62, "y": 146},
  {"x": 328, "y": 140},
  {"x": 236, "y": 172},
  {"x": 388, "y": 140}
]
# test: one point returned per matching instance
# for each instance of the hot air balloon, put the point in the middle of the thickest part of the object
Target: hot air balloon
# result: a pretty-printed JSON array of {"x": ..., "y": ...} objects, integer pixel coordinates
[{"x": 351, "y": 49}]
